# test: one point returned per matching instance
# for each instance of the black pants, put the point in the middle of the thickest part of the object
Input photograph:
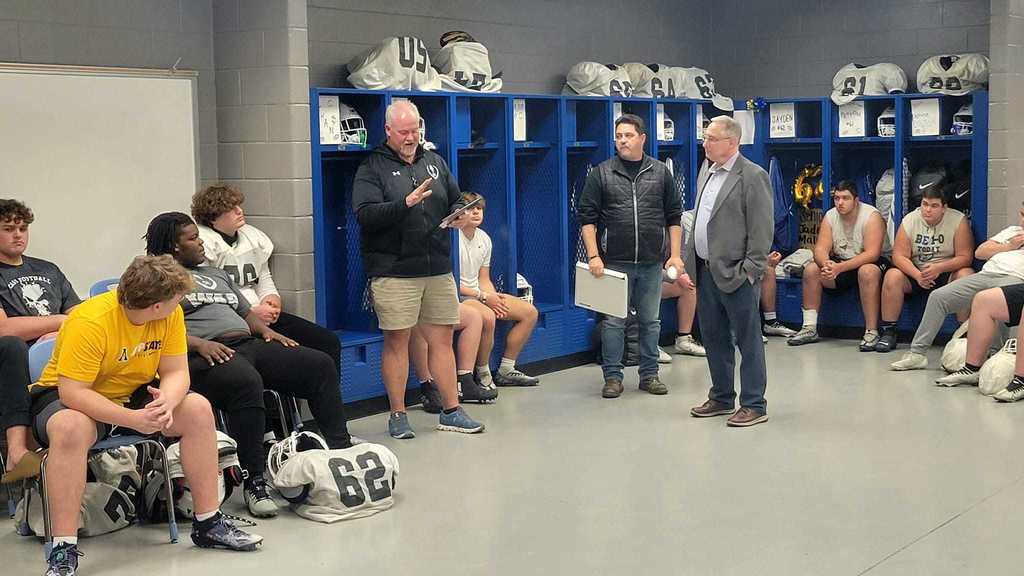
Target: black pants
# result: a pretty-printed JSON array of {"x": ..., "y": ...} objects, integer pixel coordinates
[
  {"x": 310, "y": 335},
  {"x": 14, "y": 381},
  {"x": 236, "y": 387}
]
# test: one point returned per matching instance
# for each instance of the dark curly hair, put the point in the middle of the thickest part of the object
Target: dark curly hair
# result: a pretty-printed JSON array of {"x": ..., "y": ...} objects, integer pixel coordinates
[
  {"x": 14, "y": 211},
  {"x": 163, "y": 231},
  {"x": 210, "y": 202}
]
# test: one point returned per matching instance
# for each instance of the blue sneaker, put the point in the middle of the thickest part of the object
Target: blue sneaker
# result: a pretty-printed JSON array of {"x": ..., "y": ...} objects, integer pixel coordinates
[
  {"x": 398, "y": 426},
  {"x": 459, "y": 421},
  {"x": 63, "y": 560}
]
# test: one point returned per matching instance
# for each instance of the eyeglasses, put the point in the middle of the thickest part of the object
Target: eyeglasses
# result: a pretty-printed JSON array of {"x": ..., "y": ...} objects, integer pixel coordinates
[{"x": 713, "y": 139}]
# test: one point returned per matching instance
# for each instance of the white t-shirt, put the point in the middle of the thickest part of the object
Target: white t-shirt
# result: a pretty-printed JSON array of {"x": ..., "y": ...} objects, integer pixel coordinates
[
  {"x": 1006, "y": 263},
  {"x": 474, "y": 253}
]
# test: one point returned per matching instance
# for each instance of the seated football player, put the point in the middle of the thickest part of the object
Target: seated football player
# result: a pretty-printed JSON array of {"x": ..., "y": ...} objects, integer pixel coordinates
[
  {"x": 686, "y": 307},
  {"x": 933, "y": 246},
  {"x": 469, "y": 330},
  {"x": 1003, "y": 304},
  {"x": 847, "y": 254},
  {"x": 233, "y": 355},
  {"x": 120, "y": 360},
  {"x": 1004, "y": 266},
  {"x": 35, "y": 299},
  {"x": 477, "y": 290}
]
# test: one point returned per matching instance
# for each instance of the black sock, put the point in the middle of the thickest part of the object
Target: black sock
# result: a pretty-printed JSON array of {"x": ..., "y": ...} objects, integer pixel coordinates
[
  {"x": 450, "y": 410},
  {"x": 971, "y": 367},
  {"x": 1017, "y": 382},
  {"x": 681, "y": 334},
  {"x": 204, "y": 524},
  {"x": 888, "y": 326}
]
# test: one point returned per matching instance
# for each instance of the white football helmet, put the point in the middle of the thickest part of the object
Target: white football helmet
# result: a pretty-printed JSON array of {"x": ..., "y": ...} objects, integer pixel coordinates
[
  {"x": 997, "y": 372},
  {"x": 669, "y": 130},
  {"x": 427, "y": 144},
  {"x": 523, "y": 288},
  {"x": 887, "y": 123},
  {"x": 963, "y": 121},
  {"x": 296, "y": 442},
  {"x": 353, "y": 129}
]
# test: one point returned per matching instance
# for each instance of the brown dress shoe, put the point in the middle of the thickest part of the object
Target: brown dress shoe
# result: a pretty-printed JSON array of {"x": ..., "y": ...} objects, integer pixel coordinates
[
  {"x": 711, "y": 408},
  {"x": 612, "y": 388},
  {"x": 746, "y": 417}
]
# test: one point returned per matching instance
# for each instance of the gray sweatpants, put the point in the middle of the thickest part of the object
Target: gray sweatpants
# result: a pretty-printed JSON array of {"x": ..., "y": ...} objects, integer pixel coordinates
[{"x": 950, "y": 299}]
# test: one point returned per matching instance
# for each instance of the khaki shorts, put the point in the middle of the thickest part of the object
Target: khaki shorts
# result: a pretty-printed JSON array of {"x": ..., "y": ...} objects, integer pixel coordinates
[{"x": 402, "y": 303}]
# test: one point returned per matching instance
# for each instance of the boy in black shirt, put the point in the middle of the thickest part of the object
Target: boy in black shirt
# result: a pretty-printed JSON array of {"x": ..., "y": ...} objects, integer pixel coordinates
[{"x": 35, "y": 298}]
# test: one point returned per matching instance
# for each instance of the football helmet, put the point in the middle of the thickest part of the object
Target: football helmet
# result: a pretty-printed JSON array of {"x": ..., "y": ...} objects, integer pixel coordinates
[
  {"x": 523, "y": 288},
  {"x": 963, "y": 121},
  {"x": 296, "y": 442},
  {"x": 669, "y": 130},
  {"x": 887, "y": 123},
  {"x": 353, "y": 129}
]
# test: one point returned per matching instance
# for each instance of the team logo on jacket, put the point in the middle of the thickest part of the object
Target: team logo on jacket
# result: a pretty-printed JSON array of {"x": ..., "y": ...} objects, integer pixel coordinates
[{"x": 433, "y": 171}]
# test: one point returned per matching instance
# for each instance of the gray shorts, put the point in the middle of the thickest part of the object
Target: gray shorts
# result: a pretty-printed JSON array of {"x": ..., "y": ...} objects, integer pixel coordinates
[{"x": 47, "y": 402}]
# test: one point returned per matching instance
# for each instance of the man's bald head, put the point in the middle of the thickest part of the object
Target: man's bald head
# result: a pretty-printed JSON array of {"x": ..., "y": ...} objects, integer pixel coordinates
[{"x": 402, "y": 127}]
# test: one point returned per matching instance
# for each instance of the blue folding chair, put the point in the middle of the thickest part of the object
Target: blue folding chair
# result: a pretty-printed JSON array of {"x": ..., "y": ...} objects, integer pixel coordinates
[
  {"x": 103, "y": 286},
  {"x": 38, "y": 355}
]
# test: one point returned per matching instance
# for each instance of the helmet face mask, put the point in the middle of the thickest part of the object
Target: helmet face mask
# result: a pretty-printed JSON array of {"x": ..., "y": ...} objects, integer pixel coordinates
[
  {"x": 296, "y": 442},
  {"x": 887, "y": 123},
  {"x": 963, "y": 121},
  {"x": 353, "y": 129},
  {"x": 669, "y": 129}
]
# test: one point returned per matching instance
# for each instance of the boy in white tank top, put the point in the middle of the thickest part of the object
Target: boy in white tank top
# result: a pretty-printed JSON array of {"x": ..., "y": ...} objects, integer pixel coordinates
[
  {"x": 933, "y": 246},
  {"x": 848, "y": 253}
]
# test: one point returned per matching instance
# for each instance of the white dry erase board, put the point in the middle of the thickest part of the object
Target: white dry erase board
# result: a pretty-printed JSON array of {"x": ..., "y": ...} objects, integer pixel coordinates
[{"x": 96, "y": 153}]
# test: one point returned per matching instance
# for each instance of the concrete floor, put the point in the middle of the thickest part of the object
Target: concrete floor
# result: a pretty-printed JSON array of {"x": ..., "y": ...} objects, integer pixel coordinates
[{"x": 859, "y": 471}]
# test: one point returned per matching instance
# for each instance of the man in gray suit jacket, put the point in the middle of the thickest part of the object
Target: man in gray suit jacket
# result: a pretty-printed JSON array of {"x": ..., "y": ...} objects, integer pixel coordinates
[{"x": 725, "y": 257}]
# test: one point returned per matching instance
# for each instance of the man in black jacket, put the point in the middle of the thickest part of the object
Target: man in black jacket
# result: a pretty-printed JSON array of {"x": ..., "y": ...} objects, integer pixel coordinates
[
  {"x": 400, "y": 195},
  {"x": 629, "y": 201}
]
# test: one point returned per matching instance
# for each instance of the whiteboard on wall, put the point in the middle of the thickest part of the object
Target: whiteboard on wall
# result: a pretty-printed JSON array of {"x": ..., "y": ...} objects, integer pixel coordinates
[{"x": 96, "y": 153}]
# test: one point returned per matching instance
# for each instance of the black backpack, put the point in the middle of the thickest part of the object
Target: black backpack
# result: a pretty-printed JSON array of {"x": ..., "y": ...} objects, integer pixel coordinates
[{"x": 631, "y": 350}]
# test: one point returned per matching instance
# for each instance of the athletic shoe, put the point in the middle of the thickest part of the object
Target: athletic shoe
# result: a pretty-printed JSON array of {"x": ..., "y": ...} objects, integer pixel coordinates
[
  {"x": 663, "y": 357},
  {"x": 473, "y": 392},
  {"x": 612, "y": 388},
  {"x": 63, "y": 560},
  {"x": 711, "y": 408},
  {"x": 259, "y": 502},
  {"x": 1012, "y": 393},
  {"x": 887, "y": 342},
  {"x": 962, "y": 376},
  {"x": 398, "y": 426},
  {"x": 764, "y": 339},
  {"x": 776, "y": 328},
  {"x": 869, "y": 341},
  {"x": 688, "y": 345},
  {"x": 806, "y": 335},
  {"x": 910, "y": 361},
  {"x": 430, "y": 398},
  {"x": 515, "y": 378},
  {"x": 654, "y": 386},
  {"x": 746, "y": 417},
  {"x": 459, "y": 421},
  {"x": 219, "y": 532}
]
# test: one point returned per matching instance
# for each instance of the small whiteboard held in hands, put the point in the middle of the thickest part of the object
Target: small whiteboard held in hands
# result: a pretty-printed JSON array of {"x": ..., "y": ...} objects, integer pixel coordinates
[{"x": 608, "y": 294}]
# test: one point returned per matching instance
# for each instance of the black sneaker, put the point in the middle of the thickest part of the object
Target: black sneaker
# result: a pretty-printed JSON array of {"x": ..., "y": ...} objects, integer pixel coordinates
[
  {"x": 887, "y": 342},
  {"x": 472, "y": 391},
  {"x": 430, "y": 397},
  {"x": 219, "y": 532},
  {"x": 63, "y": 560},
  {"x": 259, "y": 502}
]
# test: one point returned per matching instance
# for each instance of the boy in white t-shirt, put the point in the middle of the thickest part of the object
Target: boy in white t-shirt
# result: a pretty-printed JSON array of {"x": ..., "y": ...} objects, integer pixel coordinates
[
  {"x": 477, "y": 290},
  {"x": 1004, "y": 267}
]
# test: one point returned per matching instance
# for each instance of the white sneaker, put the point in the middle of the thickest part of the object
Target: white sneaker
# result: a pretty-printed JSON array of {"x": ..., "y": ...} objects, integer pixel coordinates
[
  {"x": 663, "y": 357},
  {"x": 687, "y": 345},
  {"x": 961, "y": 376},
  {"x": 764, "y": 339},
  {"x": 910, "y": 361},
  {"x": 776, "y": 328}
]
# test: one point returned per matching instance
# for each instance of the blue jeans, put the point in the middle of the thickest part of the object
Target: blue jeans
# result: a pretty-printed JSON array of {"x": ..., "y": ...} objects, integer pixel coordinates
[{"x": 645, "y": 298}]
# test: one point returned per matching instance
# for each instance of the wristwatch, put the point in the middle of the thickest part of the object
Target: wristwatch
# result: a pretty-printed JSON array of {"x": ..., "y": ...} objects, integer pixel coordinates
[{"x": 483, "y": 297}]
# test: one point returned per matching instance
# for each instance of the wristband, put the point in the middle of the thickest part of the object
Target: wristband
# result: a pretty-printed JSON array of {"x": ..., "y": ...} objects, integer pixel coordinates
[{"x": 594, "y": 256}]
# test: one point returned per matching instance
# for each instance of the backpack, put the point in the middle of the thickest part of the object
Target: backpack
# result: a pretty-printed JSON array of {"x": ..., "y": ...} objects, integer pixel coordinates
[{"x": 631, "y": 348}]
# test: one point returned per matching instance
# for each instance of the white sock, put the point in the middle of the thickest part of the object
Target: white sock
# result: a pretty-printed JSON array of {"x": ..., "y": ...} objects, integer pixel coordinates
[
  {"x": 507, "y": 365},
  {"x": 206, "y": 516},
  {"x": 485, "y": 369},
  {"x": 58, "y": 540},
  {"x": 462, "y": 372},
  {"x": 810, "y": 318},
  {"x": 769, "y": 316}
]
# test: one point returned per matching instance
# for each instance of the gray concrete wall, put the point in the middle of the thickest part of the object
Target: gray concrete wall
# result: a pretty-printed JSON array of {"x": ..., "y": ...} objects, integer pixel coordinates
[
  {"x": 1006, "y": 124},
  {"x": 534, "y": 42},
  {"x": 790, "y": 48}
]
